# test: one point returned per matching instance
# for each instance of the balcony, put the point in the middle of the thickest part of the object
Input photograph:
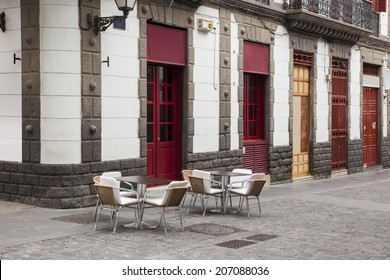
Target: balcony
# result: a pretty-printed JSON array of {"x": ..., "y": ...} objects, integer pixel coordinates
[
  {"x": 265, "y": 2},
  {"x": 342, "y": 20}
]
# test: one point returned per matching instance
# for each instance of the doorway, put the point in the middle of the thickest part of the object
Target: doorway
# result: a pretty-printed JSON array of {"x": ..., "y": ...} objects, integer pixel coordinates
[
  {"x": 339, "y": 114},
  {"x": 163, "y": 121},
  {"x": 255, "y": 146},
  {"x": 370, "y": 126},
  {"x": 301, "y": 121}
]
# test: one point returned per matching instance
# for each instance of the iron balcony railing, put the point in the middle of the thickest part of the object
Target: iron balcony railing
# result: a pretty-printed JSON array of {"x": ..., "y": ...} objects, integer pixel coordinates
[
  {"x": 356, "y": 12},
  {"x": 265, "y": 2}
]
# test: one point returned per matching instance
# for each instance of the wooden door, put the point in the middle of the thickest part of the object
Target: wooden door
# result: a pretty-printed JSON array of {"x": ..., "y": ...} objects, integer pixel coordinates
[
  {"x": 370, "y": 126},
  {"x": 301, "y": 121},
  {"x": 163, "y": 121},
  {"x": 255, "y": 146},
  {"x": 339, "y": 115}
]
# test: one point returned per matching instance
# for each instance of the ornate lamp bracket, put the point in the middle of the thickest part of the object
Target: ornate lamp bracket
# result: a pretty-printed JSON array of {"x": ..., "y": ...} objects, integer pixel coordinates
[{"x": 102, "y": 23}]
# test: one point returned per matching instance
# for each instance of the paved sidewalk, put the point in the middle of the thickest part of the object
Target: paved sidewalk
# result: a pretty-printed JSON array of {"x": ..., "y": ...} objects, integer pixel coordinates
[{"x": 345, "y": 217}]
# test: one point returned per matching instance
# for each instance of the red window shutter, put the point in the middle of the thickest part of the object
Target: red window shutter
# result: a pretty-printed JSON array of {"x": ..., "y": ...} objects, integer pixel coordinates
[
  {"x": 256, "y": 58},
  {"x": 379, "y": 5},
  {"x": 256, "y": 156},
  {"x": 166, "y": 45}
]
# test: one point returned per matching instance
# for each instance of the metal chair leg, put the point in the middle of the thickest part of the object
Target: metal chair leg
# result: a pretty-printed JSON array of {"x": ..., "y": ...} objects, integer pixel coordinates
[
  {"x": 164, "y": 222},
  {"x": 258, "y": 201},
  {"x": 116, "y": 215},
  {"x": 96, "y": 210},
  {"x": 189, "y": 205},
  {"x": 205, "y": 208},
  {"x": 181, "y": 220},
  {"x": 142, "y": 215},
  {"x": 97, "y": 218},
  {"x": 247, "y": 207}
]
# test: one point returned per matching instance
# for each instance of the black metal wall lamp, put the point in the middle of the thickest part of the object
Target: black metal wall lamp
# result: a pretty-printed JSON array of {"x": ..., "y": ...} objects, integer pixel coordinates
[
  {"x": 102, "y": 23},
  {"x": 2, "y": 21}
]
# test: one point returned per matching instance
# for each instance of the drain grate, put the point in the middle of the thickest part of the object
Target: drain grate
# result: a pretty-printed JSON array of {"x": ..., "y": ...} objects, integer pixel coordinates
[
  {"x": 261, "y": 237},
  {"x": 213, "y": 229},
  {"x": 84, "y": 218},
  {"x": 235, "y": 244}
]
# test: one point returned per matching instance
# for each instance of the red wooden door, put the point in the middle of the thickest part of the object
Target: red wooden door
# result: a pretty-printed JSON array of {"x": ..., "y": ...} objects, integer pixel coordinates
[
  {"x": 255, "y": 147},
  {"x": 339, "y": 115},
  {"x": 370, "y": 126},
  {"x": 163, "y": 113}
]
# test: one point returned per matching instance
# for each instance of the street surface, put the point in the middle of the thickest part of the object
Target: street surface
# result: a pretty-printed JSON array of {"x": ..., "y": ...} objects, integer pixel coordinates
[{"x": 345, "y": 217}]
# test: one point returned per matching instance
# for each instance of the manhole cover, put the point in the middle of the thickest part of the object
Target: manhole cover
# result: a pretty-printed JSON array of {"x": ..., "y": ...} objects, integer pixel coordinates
[
  {"x": 235, "y": 243},
  {"x": 261, "y": 237},
  {"x": 213, "y": 229},
  {"x": 85, "y": 218}
]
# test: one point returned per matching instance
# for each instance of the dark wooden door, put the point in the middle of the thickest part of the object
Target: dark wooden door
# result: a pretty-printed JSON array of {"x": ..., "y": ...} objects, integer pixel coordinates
[
  {"x": 163, "y": 121},
  {"x": 339, "y": 115},
  {"x": 370, "y": 126}
]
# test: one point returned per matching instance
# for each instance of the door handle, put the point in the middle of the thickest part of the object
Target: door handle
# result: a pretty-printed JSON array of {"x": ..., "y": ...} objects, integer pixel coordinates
[{"x": 158, "y": 138}]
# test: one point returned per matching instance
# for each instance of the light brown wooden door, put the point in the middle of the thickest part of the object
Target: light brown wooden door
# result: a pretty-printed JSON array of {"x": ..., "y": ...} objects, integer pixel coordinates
[{"x": 301, "y": 121}]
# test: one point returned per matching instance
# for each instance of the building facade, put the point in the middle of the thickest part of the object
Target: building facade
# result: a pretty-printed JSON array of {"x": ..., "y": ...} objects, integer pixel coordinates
[{"x": 291, "y": 88}]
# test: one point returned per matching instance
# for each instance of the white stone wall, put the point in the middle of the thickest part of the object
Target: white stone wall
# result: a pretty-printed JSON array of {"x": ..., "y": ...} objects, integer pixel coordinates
[
  {"x": 120, "y": 102},
  {"x": 384, "y": 23},
  {"x": 322, "y": 88},
  {"x": 206, "y": 81},
  {"x": 386, "y": 86},
  {"x": 10, "y": 84},
  {"x": 235, "y": 109},
  {"x": 355, "y": 93},
  {"x": 281, "y": 87},
  {"x": 60, "y": 82}
]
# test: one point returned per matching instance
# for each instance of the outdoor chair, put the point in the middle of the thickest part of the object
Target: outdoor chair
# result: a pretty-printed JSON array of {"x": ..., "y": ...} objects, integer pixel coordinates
[
  {"x": 96, "y": 180},
  {"x": 117, "y": 174},
  {"x": 234, "y": 179},
  {"x": 250, "y": 189},
  {"x": 201, "y": 186},
  {"x": 110, "y": 199},
  {"x": 113, "y": 174},
  {"x": 171, "y": 198},
  {"x": 186, "y": 173}
]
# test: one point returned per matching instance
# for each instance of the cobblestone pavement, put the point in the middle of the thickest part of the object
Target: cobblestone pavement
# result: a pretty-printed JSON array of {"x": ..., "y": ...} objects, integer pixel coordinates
[{"x": 345, "y": 217}]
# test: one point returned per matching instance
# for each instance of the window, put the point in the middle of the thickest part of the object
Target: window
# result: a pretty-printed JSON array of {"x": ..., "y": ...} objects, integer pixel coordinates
[{"x": 253, "y": 107}]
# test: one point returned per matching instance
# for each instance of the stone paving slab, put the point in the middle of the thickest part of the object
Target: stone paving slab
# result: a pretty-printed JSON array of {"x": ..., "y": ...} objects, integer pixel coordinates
[{"x": 346, "y": 217}]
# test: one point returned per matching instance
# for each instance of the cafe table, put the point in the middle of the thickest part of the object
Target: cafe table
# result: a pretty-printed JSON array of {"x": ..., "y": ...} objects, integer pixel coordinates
[
  {"x": 225, "y": 175},
  {"x": 142, "y": 182}
]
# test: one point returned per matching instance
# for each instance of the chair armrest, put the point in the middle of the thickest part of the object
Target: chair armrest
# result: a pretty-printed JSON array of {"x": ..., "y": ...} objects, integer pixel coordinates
[
  {"x": 151, "y": 191},
  {"x": 213, "y": 181},
  {"x": 129, "y": 184},
  {"x": 237, "y": 183},
  {"x": 127, "y": 190}
]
